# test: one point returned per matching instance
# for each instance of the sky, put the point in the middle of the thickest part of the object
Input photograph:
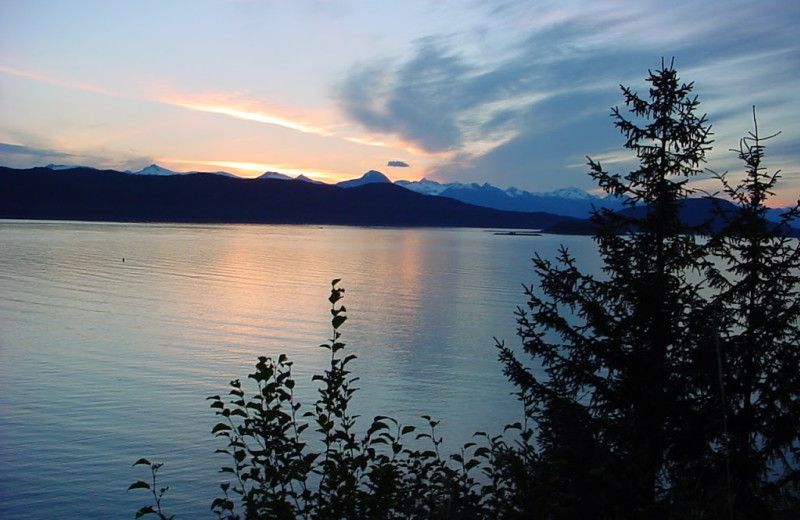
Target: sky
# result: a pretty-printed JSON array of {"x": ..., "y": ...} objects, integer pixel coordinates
[{"x": 510, "y": 92}]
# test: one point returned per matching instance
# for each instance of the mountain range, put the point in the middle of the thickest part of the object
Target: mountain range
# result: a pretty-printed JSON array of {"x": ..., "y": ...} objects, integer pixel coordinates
[
  {"x": 155, "y": 193},
  {"x": 571, "y": 202}
]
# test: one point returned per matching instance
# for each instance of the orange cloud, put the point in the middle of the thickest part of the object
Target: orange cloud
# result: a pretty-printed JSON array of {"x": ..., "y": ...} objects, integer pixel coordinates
[
  {"x": 249, "y": 115},
  {"x": 396, "y": 145},
  {"x": 54, "y": 81}
]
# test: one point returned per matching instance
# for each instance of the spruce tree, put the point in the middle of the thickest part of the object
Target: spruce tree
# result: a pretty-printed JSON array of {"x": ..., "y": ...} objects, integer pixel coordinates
[
  {"x": 614, "y": 388},
  {"x": 757, "y": 315}
]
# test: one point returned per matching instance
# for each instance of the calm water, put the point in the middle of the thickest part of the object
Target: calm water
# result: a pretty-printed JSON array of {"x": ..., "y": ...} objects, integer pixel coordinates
[{"x": 103, "y": 361}]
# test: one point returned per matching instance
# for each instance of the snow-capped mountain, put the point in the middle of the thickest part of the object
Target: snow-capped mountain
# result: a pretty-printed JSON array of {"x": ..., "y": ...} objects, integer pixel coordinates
[
  {"x": 424, "y": 186},
  {"x": 566, "y": 193},
  {"x": 571, "y": 201},
  {"x": 284, "y": 177},
  {"x": 275, "y": 175},
  {"x": 370, "y": 177},
  {"x": 155, "y": 169}
]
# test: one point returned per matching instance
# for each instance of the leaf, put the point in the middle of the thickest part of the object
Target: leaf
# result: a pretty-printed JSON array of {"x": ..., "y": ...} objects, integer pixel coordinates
[
  {"x": 139, "y": 484},
  {"x": 141, "y": 461},
  {"x": 146, "y": 510},
  {"x": 407, "y": 429},
  {"x": 338, "y": 320},
  {"x": 220, "y": 427},
  {"x": 483, "y": 451},
  {"x": 471, "y": 464}
]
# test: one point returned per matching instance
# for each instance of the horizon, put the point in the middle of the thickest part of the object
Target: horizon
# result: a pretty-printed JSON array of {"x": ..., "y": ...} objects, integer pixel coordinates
[
  {"x": 290, "y": 176},
  {"x": 506, "y": 189},
  {"x": 511, "y": 94}
]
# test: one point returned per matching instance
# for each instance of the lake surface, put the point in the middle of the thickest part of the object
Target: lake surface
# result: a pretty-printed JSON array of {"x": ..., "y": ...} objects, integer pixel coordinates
[{"x": 105, "y": 360}]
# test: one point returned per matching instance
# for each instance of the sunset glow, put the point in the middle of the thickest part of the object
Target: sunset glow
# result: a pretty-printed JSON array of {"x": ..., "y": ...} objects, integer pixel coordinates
[
  {"x": 457, "y": 91},
  {"x": 252, "y": 116},
  {"x": 251, "y": 170}
]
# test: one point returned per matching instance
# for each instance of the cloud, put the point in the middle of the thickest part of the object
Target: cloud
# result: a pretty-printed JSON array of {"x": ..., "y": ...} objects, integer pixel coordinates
[
  {"x": 13, "y": 154},
  {"x": 444, "y": 101},
  {"x": 249, "y": 114},
  {"x": 57, "y": 81},
  {"x": 247, "y": 110},
  {"x": 398, "y": 164},
  {"x": 410, "y": 103},
  {"x": 529, "y": 112},
  {"x": 23, "y": 156}
]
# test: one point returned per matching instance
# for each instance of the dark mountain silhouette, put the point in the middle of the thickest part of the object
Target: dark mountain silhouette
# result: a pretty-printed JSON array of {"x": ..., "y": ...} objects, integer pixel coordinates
[
  {"x": 108, "y": 195},
  {"x": 700, "y": 211},
  {"x": 371, "y": 177}
]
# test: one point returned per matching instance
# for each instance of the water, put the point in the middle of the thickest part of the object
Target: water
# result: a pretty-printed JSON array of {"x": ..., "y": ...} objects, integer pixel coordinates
[{"x": 112, "y": 335}]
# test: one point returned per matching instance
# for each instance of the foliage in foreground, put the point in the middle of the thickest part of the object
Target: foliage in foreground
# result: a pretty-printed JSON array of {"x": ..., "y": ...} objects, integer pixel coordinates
[
  {"x": 286, "y": 463},
  {"x": 667, "y": 387}
]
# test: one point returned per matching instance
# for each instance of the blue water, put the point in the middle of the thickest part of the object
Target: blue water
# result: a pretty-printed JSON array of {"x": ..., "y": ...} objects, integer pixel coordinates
[{"x": 112, "y": 336}]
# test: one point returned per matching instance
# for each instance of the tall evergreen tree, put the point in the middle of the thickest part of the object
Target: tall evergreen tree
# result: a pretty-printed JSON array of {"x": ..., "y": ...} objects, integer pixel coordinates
[
  {"x": 757, "y": 311},
  {"x": 613, "y": 390}
]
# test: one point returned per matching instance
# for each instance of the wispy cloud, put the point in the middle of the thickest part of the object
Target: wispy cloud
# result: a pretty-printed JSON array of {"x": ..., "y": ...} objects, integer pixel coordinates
[
  {"x": 247, "y": 110},
  {"x": 22, "y": 156},
  {"x": 13, "y": 154},
  {"x": 56, "y": 81},
  {"x": 248, "y": 114}
]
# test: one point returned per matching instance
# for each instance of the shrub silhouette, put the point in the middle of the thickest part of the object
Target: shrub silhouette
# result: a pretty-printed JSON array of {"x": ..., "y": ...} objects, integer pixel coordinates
[{"x": 287, "y": 463}]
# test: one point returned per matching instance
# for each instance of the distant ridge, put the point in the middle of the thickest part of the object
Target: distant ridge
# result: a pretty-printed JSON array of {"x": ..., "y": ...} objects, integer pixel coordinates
[
  {"x": 155, "y": 169},
  {"x": 694, "y": 211},
  {"x": 63, "y": 192},
  {"x": 108, "y": 195},
  {"x": 571, "y": 201},
  {"x": 371, "y": 177}
]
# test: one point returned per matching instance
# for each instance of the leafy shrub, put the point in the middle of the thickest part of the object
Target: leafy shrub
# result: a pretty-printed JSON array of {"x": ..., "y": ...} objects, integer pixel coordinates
[{"x": 276, "y": 471}]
